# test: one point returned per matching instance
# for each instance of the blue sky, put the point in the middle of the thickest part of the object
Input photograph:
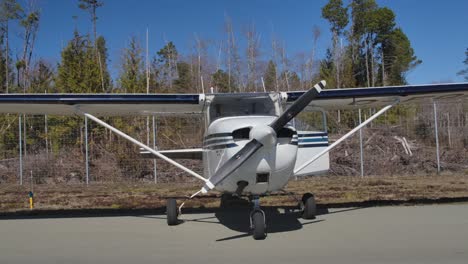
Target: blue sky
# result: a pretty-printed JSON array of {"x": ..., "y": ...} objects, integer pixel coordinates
[{"x": 437, "y": 29}]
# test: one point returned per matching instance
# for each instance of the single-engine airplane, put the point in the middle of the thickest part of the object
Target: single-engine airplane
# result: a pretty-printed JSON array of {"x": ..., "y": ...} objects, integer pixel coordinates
[{"x": 250, "y": 147}]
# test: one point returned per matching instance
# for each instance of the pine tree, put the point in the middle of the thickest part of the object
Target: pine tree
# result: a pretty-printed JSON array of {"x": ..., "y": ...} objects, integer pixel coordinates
[
  {"x": 337, "y": 15},
  {"x": 3, "y": 67},
  {"x": 167, "y": 59},
  {"x": 132, "y": 76},
  {"x": 78, "y": 72},
  {"x": 184, "y": 84},
  {"x": 294, "y": 81},
  {"x": 465, "y": 71},
  {"x": 42, "y": 77},
  {"x": 30, "y": 23},
  {"x": 103, "y": 55},
  {"x": 400, "y": 57},
  {"x": 221, "y": 81},
  {"x": 270, "y": 77},
  {"x": 91, "y": 6},
  {"x": 378, "y": 53}
]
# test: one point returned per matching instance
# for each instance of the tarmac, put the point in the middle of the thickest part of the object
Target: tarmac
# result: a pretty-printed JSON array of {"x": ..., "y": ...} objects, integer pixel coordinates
[{"x": 401, "y": 234}]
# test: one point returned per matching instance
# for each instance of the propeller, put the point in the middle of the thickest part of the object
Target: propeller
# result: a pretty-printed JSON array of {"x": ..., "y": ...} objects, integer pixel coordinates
[{"x": 262, "y": 136}]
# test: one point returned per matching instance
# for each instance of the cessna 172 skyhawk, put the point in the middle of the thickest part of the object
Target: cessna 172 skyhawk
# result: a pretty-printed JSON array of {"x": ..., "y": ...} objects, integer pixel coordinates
[{"x": 250, "y": 147}]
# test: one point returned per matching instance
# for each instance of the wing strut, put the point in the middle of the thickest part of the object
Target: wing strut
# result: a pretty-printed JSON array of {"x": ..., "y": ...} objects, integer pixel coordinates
[
  {"x": 136, "y": 142},
  {"x": 350, "y": 133}
]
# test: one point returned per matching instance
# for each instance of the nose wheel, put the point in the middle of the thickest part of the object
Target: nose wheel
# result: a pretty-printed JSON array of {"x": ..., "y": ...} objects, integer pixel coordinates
[{"x": 257, "y": 221}]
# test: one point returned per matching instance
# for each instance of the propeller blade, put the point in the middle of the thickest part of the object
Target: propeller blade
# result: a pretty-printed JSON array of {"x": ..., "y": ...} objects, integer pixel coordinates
[
  {"x": 297, "y": 107},
  {"x": 232, "y": 164}
]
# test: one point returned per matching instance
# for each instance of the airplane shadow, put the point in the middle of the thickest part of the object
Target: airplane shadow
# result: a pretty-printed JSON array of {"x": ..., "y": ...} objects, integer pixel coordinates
[
  {"x": 276, "y": 221},
  {"x": 278, "y": 218}
]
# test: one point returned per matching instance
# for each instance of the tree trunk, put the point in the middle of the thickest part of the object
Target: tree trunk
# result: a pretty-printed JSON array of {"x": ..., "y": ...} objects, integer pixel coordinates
[
  {"x": 383, "y": 68},
  {"x": 6, "y": 57},
  {"x": 367, "y": 63}
]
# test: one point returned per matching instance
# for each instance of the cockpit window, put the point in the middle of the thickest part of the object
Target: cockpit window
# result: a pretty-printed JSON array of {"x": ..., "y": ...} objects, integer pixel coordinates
[{"x": 241, "y": 106}]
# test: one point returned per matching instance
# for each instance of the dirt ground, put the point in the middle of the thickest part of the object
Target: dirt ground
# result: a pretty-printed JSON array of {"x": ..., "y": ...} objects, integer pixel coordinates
[{"x": 328, "y": 190}]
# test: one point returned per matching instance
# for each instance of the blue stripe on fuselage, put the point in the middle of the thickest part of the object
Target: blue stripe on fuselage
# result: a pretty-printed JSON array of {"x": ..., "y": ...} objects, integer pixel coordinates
[{"x": 313, "y": 140}]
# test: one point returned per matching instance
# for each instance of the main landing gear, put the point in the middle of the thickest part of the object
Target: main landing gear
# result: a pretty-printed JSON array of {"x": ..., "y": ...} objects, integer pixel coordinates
[
  {"x": 172, "y": 212},
  {"x": 308, "y": 206}
]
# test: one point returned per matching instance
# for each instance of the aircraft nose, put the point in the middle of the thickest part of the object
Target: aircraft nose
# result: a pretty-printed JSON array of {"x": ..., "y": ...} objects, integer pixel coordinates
[{"x": 265, "y": 135}]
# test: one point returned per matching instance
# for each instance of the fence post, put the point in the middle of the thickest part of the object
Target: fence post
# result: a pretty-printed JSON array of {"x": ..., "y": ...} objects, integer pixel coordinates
[
  {"x": 436, "y": 136},
  {"x": 86, "y": 150},
  {"x": 154, "y": 147},
  {"x": 360, "y": 145},
  {"x": 20, "y": 139}
]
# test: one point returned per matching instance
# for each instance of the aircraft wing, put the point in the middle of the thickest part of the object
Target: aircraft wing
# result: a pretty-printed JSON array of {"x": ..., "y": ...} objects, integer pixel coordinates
[
  {"x": 182, "y": 104},
  {"x": 102, "y": 104},
  {"x": 350, "y": 98}
]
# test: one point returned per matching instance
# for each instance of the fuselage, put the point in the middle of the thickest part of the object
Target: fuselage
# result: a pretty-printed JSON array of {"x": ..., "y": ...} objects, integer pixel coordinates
[
  {"x": 232, "y": 122},
  {"x": 266, "y": 171}
]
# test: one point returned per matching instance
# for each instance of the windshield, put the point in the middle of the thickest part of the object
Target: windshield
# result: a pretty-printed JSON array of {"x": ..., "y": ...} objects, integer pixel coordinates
[{"x": 241, "y": 106}]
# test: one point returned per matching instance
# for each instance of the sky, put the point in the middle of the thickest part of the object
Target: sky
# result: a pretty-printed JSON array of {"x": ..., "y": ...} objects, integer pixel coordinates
[{"x": 438, "y": 30}]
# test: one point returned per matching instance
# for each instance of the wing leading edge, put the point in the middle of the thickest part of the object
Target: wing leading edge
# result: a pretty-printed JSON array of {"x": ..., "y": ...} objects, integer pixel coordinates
[
  {"x": 349, "y": 98},
  {"x": 194, "y": 154},
  {"x": 102, "y": 104},
  {"x": 183, "y": 104}
]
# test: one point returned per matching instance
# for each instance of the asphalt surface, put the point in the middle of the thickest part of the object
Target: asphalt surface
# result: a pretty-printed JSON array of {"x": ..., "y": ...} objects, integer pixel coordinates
[{"x": 412, "y": 234}]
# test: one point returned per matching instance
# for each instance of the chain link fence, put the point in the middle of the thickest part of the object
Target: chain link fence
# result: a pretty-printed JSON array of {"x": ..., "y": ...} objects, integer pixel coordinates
[{"x": 53, "y": 148}]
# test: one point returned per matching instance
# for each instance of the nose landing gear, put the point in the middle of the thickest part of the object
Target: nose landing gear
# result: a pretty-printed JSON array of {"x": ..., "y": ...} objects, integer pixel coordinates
[{"x": 257, "y": 220}]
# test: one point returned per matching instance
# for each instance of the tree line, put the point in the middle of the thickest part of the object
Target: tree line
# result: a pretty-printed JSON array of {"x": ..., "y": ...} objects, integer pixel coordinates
[{"x": 367, "y": 49}]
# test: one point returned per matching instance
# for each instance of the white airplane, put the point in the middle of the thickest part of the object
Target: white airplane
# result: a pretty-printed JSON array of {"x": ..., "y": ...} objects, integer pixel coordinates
[{"x": 250, "y": 147}]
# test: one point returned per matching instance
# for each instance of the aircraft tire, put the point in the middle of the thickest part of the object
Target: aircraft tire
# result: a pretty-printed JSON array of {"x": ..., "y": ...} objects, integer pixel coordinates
[
  {"x": 310, "y": 207},
  {"x": 259, "y": 227},
  {"x": 171, "y": 212}
]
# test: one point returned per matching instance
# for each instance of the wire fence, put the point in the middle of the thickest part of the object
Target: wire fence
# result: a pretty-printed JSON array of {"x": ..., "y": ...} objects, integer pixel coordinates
[{"x": 53, "y": 148}]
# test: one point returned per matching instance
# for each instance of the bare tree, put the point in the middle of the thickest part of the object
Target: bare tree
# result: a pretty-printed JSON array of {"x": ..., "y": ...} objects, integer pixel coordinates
[
  {"x": 30, "y": 23},
  {"x": 91, "y": 6},
  {"x": 201, "y": 47},
  {"x": 228, "y": 30},
  {"x": 232, "y": 56},
  {"x": 253, "y": 52},
  {"x": 285, "y": 66},
  {"x": 274, "y": 49},
  {"x": 9, "y": 10}
]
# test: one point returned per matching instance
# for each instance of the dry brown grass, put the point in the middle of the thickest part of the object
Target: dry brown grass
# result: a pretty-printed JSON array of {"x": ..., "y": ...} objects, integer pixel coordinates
[{"x": 328, "y": 190}]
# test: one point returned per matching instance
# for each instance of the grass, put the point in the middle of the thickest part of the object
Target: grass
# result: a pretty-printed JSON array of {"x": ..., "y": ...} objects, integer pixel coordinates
[{"x": 328, "y": 190}]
